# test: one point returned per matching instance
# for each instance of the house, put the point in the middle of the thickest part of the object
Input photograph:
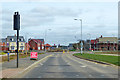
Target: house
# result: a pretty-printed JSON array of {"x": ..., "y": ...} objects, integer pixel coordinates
[
  {"x": 62, "y": 47},
  {"x": 3, "y": 46},
  {"x": 104, "y": 43},
  {"x": 70, "y": 46},
  {"x": 27, "y": 46},
  {"x": 108, "y": 43},
  {"x": 47, "y": 46},
  {"x": 54, "y": 46},
  {"x": 11, "y": 42},
  {"x": 36, "y": 44}
]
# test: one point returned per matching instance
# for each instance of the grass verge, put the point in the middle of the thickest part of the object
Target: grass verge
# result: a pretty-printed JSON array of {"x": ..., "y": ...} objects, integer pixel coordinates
[
  {"x": 105, "y": 58},
  {"x": 2, "y": 53},
  {"x": 12, "y": 57}
]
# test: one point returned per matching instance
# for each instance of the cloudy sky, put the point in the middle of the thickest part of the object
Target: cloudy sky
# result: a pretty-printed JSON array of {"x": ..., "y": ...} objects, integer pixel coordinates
[{"x": 99, "y": 18}]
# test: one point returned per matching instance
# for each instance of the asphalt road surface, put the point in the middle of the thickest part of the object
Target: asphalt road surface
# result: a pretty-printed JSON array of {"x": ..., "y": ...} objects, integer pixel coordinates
[{"x": 64, "y": 65}]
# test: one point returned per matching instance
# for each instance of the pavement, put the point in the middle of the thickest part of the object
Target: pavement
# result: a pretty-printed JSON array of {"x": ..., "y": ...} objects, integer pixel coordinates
[
  {"x": 65, "y": 65},
  {"x": 8, "y": 69}
]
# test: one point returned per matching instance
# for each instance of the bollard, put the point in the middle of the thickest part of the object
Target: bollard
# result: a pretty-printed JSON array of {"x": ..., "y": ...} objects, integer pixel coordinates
[{"x": 8, "y": 56}]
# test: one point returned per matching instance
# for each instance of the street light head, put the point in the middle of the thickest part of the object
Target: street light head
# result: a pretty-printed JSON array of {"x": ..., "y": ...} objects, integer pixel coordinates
[
  {"x": 75, "y": 19},
  {"x": 49, "y": 29},
  {"x": 80, "y": 19}
]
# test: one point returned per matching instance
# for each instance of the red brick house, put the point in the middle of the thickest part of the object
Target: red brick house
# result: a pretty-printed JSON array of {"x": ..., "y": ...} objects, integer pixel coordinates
[
  {"x": 27, "y": 46},
  {"x": 47, "y": 46},
  {"x": 105, "y": 43},
  {"x": 3, "y": 46},
  {"x": 36, "y": 44}
]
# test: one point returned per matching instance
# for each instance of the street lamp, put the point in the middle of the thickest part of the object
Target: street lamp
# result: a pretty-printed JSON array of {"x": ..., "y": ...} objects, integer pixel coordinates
[
  {"x": 45, "y": 37},
  {"x": 81, "y": 34}
]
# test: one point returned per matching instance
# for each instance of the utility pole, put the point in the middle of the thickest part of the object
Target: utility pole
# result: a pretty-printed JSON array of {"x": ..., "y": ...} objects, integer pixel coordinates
[{"x": 17, "y": 27}]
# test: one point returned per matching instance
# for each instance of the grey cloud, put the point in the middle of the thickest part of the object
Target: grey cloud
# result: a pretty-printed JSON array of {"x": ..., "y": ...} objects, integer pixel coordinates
[{"x": 52, "y": 11}]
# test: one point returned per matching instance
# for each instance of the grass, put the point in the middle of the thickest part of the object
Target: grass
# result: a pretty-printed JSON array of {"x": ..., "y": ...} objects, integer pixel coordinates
[
  {"x": 2, "y": 53},
  {"x": 73, "y": 50},
  {"x": 107, "y": 52},
  {"x": 105, "y": 58},
  {"x": 12, "y": 57}
]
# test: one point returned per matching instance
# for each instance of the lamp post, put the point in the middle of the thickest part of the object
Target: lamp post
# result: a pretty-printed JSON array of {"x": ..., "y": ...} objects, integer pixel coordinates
[
  {"x": 81, "y": 35},
  {"x": 46, "y": 37}
]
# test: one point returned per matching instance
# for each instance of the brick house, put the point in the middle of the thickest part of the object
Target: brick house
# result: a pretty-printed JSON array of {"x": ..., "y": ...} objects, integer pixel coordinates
[
  {"x": 108, "y": 43},
  {"x": 104, "y": 43},
  {"x": 36, "y": 44},
  {"x": 47, "y": 46},
  {"x": 27, "y": 46},
  {"x": 3, "y": 46}
]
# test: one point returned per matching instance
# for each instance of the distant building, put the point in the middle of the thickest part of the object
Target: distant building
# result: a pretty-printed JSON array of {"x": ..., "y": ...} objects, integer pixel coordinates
[
  {"x": 62, "y": 47},
  {"x": 108, "y": 43},
  {"x": 104, "y": 43},
  {"x": 54, "y": 46},
  {"x": 36, "y": 44},
  {"x": 27, "y": 46},
  {"x": 47, "y": 46},
  {"x": 11, "y": 43},
  {"x": 3, "y": 46},
  {"x": 70, "y": 46}
]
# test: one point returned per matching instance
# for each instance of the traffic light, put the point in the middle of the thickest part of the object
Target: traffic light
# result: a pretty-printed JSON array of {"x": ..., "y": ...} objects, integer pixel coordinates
[{"x": 16, "y": 21}]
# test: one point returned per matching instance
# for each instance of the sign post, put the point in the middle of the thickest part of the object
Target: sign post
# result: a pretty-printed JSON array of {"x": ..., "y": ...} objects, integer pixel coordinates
[
  {"x": 8, "y": 57},
  {"x": 17, "y": 27}
]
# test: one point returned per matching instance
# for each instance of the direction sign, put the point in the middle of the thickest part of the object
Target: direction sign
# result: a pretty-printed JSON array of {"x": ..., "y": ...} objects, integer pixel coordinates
[{"x": 33, "y": 55}]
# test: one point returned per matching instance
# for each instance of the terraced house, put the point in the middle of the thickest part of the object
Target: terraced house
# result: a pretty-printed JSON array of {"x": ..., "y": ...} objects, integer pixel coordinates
[{"x": 12, "y": 43}]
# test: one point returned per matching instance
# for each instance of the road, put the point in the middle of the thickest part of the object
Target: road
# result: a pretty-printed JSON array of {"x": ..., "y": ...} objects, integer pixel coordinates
[{"x": 67, "y": 66}]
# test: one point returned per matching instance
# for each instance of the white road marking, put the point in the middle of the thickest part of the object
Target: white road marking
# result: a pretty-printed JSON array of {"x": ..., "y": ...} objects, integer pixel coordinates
[
  {"x": 90, "y": 75},
  {"x": 77, "y": 75},
  {"x": 102, "y": 75},
  {"x": 39, "y": 77},
  {"x": 83, "y": 66}
]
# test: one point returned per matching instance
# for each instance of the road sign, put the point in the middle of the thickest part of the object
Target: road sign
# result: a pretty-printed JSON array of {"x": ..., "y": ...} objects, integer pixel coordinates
[{"x": 33, "y": 55}]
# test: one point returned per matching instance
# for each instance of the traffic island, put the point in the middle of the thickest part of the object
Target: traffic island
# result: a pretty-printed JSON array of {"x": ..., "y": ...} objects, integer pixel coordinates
[{"x": 102, "y": 59}]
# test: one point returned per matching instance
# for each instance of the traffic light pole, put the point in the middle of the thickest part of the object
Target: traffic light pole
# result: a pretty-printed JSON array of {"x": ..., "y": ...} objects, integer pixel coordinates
[{"x": 17, "y": 47}]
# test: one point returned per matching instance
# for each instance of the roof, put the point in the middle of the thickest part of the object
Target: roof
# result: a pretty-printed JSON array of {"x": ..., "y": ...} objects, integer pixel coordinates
[
  {"x": 14, "y": 39},
  {"x": 3, "y": 40},
  {"x": 38, "y": 40},
  {"x": 47, "y": 45},
  {"x": 110, "y": 39}
]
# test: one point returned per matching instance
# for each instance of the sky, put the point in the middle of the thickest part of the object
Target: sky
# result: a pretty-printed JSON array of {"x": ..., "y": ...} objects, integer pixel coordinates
[{"x": 56, "y": 20}]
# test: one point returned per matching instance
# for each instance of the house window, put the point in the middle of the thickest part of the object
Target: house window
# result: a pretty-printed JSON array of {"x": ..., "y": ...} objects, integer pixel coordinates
[
  {"x": 12, "y": 44},
  {"x": 21, "y": 39},
  {"x": 21, "y": 43},
  {"x": 21, "y": 47},
  {"x": 12, "y": 47},
  {"x": 11, "y": 39}
]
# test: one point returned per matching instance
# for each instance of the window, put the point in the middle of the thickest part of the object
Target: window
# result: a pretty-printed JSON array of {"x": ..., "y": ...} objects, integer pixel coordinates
[
  {"x": 10, "y": 39},
  {"x": 12, "y": 44},
  {"x": 12, "y": 47},
  {"x": 21, "y": 39},
  {"x": 21, "y": 47},
  {"x": 21, "y": 43}
]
